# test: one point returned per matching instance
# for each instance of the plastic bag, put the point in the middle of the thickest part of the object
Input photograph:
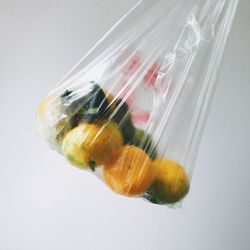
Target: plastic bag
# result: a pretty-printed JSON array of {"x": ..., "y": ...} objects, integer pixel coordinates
[{"x": 132, "y": 111}]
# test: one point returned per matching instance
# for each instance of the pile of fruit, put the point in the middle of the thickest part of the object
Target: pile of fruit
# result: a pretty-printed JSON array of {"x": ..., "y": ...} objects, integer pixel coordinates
[{"x": 93, "y": 129}]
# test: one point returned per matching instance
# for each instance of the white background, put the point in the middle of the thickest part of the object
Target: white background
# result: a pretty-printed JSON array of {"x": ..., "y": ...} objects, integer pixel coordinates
[{"x": 47, "y": 204}]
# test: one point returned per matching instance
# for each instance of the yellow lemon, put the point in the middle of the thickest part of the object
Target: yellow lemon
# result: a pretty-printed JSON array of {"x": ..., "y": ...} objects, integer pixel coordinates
[
  {"x": 131, "y": 173},
  {"x": 92, "y": 144},
  {"x": 53, "y": 124},
  {"x": 171, "y": 183},
  {"x": 47, "y": 105}
]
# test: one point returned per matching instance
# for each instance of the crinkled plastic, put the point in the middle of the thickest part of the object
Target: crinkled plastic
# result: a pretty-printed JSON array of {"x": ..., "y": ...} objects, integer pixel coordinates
[{"x": 133, "y": 109}]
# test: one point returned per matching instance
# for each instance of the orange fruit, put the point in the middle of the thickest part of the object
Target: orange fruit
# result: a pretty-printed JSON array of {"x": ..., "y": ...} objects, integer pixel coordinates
[
  {"x": 92, "y": 144},
  {"x": 171, "y": 183},
  {"x": 131, "y": 173}
]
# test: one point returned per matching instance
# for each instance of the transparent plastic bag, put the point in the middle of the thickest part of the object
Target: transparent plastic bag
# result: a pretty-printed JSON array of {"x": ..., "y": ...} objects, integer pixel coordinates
[{"x": 133, "y": 109}]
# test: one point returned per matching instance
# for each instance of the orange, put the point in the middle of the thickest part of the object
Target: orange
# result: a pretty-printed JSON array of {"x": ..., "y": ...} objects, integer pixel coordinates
[
  {"x": 131, "y": 173},
  {"x": 171, "y": 182},
  {"x": 92, "y": 144}
]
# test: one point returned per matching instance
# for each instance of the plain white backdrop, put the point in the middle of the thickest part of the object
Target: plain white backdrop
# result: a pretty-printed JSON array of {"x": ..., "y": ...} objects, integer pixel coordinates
[{"x": 45, "y": 204}]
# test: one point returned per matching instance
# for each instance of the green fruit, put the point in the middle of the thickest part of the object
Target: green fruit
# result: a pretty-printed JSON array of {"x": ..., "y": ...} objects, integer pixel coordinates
[{"x": 145, "y": 142}]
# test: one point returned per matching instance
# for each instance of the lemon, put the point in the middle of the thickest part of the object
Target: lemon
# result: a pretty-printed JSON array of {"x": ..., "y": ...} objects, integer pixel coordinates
[
  {"x": 171, "y": 183},
  {"x": 145, "y": 142},
  {"x": 92, "y": 144},
  {"x": 130, "y": 173},
  {"x": 53, "y": 124},
  {"x": 48, "y": 105}
]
